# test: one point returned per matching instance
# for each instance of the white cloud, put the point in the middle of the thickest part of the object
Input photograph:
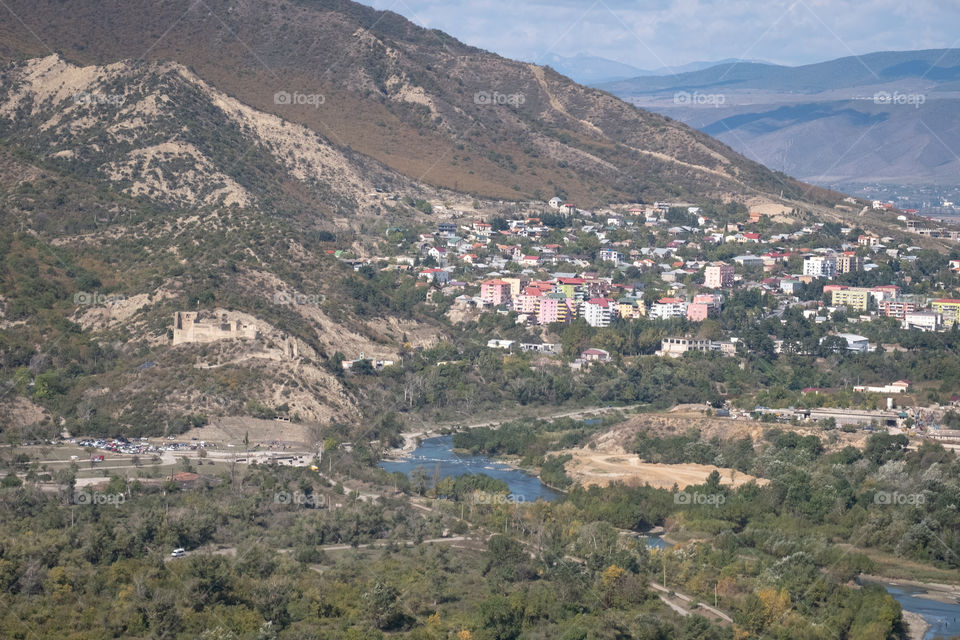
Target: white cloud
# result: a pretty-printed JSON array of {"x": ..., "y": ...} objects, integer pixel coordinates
[{"x": 654, "y": 33}]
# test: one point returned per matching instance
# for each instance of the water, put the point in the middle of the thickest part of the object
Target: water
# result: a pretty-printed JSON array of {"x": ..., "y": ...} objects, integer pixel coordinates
[
  {"x": 943, "y": 618},
  {"x": 439, "y": 451},
  {"x": 656, "y": 542},
  {"x": 434, "y": 451}
]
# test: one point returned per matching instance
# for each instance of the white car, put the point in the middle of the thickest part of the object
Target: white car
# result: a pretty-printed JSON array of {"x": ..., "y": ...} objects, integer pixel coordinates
[{"x": 178, "y": 553}]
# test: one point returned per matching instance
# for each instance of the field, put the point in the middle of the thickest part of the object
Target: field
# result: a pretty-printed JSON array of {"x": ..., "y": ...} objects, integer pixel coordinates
[{"x": 601, "y": 468}]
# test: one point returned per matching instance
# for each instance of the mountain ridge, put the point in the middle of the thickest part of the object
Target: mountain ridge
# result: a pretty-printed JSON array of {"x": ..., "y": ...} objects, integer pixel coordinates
[
  {"x": 422, "y": 90},
  {"x": 887, "y": 117}
]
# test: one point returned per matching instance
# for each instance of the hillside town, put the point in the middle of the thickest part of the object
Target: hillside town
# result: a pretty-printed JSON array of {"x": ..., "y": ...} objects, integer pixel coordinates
[{"x": 555, "y": 263}]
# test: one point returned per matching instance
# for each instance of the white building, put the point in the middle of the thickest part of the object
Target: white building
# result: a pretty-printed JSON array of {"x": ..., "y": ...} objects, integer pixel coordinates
[
  {"x": 923, "y": 321},
  {"x": 608, "y": 254},
  {"x": 854, "y": 342},
  {"x": 598, "y": 312},
  {"x": 669, "y": 308},
  {"x": 555, "y": 203},
  {"x": 820, "y": 266}
]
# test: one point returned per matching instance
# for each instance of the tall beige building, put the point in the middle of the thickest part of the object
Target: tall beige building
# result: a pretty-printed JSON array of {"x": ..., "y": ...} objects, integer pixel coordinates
[{"x": 718, "y": 276}]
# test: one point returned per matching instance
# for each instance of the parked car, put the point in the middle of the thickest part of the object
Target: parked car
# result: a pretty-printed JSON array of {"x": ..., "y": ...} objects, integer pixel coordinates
[{"x": 178, "y": 553}]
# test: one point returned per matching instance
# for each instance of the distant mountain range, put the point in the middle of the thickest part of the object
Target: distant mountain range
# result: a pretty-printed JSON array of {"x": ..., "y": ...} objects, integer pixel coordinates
[
  {"x": 889, "y": 117},
  {"x": 594, "y": 70}
]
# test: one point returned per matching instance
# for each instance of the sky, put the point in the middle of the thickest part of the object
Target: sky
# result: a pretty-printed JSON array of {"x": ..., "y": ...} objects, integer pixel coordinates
[{"x": 651, "y": 34}]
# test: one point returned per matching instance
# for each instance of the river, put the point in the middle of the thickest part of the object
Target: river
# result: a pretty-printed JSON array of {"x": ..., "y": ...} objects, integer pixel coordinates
[
  {"x": 943, "y": 617},
  {"x": 523, "y": 486},
  {"x": 438, "y": 452}
]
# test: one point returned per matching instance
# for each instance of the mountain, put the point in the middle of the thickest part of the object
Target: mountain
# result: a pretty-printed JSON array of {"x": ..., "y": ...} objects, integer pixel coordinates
[
  {"x": 596, "y": 71},
  {"x": 591, "y": 70},
  {"x": 141, "y": 191},
  {"x": 416, "y": 100},
  {"x": 887, "y": 117},
  {"x": 239, "y": 161}
]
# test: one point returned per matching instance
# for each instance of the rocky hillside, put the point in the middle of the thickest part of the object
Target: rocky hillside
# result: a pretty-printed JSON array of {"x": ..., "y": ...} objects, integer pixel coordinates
[
  {"x": 132, "y": 191},
  {"x": 417, "y": 100},
  {"x": 156, "y": 130}
]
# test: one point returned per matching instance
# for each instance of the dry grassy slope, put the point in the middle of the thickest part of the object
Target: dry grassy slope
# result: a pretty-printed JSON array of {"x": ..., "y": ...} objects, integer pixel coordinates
[
  {"x": 161, "y": 132},
  {"x": 403, "y": 95}
]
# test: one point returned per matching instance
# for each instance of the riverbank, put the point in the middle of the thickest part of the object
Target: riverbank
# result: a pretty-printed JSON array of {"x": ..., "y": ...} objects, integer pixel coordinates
[
  {"x": 945, "y": 593},
  {"x": 917, "y": 627}
]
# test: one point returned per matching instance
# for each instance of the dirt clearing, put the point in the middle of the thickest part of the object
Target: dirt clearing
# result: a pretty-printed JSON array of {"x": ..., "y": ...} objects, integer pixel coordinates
[{"x": 601, "y": 468}]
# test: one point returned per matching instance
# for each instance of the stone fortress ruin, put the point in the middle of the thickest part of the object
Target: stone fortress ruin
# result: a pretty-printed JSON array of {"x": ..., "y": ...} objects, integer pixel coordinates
[{"x": 198, "y": 326}]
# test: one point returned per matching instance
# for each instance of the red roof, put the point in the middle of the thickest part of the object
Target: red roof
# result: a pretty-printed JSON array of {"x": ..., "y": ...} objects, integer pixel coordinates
[
  {"x": 946, "y": 301},
  {"x": 670, "y": 300},
  {"x": 601, "y": 301}
]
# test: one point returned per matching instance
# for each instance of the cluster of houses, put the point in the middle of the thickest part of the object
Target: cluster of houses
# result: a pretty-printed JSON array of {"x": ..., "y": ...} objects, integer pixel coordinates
[{"x": 544, "y": 275}]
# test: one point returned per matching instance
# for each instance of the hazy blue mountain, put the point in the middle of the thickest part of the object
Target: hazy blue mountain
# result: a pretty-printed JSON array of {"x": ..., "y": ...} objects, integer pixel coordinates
[
  {"x": 587, "y": 69},
  {"x": 889, "y": 117}
]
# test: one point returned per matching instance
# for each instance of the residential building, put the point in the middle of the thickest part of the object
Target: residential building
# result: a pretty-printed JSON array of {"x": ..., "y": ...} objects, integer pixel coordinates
[
  {"x": 500, "y": 344},
  {"x": 923, "y": 321},
  {"x": 546, "y": 347},
  {"x": 820, "y": 266},
  {"x": 528, "y": 301},
  {"x": 897, "y": 308},
  {"x": 608, "y": 254},
  {"x": 495, "y": 292},
  {"x": 433, "y": 274},
  {"x": 698, "y": 312},
  {"x": 570, "y": 288},
  {"x": 516, "y": 285},
  {"x": 599, "y": 311},
  {"x": 676, "y": 347},
  {"x": 446, "y": 229},
  {"x": 702, "y": 307},
  {"x": 439, "y": 254},
  {"x": 749, "y": 261},
  {"x": 554, "y": 307},
  {"x": 631, "y": 308},
  {"x": 948, "y": 308},
  {"x": 668, "y": 308},
  {"x": 718, "y": 276},
  {"x": 595, "y": 355},
  {"x": 900, "y": 386},
  {"x": 855, "y": 298},
  {"x": 849, "y": 263},
  {"x": 790, "y": 286}
]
